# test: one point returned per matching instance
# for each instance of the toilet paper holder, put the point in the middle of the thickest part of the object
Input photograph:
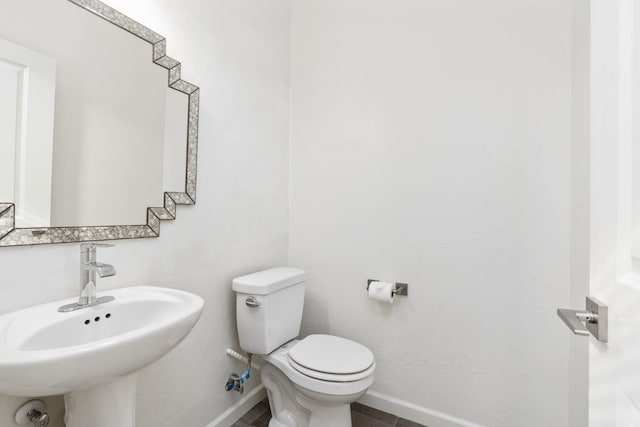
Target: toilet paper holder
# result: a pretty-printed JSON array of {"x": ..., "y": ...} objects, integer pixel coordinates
[{"x": 400, "y": 288}]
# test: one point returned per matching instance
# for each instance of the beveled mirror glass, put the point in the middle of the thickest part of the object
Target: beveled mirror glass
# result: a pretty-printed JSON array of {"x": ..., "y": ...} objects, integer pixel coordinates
[{"x": 112, "y": 151}]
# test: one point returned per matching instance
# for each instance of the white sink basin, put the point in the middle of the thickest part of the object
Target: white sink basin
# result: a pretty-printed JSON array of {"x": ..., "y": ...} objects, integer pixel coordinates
[{"x": 45, "y": 352}]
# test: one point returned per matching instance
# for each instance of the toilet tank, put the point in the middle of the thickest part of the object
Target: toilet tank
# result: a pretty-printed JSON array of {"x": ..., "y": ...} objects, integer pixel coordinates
[{"x": 269, "y": 308}]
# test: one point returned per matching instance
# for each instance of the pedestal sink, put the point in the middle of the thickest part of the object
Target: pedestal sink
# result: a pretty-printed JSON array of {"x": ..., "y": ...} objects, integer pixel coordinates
[{"x": 92, "y": 355}]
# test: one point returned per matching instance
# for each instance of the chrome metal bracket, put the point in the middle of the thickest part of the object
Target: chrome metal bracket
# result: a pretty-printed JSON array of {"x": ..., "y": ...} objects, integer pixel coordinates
[
  {"x": 400, "y": 288},
  {"x": 595, "y": 318}
]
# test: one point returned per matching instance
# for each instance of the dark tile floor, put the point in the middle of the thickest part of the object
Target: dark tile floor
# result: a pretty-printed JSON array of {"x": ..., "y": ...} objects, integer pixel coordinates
[{"x": 361, "y": 416}]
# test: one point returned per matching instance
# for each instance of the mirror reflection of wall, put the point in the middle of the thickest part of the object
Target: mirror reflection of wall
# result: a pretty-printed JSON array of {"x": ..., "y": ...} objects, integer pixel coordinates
[{"x": 110, "y": 132}]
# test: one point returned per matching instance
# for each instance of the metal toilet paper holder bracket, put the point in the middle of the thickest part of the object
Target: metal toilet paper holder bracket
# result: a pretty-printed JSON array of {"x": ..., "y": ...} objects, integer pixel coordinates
[{"x": 400, "y": 288}]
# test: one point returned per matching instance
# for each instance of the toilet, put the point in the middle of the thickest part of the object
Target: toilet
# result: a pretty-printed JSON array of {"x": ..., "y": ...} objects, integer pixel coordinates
[{"x": 310, "y": 382}]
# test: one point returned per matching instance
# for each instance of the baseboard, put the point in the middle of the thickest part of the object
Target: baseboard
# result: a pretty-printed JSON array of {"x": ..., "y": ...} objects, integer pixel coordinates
[
  {"x": 233, "y": 414},
  {"x": 412, "y": 412}
]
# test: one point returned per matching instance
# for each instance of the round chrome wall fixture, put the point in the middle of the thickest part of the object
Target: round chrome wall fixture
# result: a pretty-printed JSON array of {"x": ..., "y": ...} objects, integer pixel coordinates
[{"x": 32, "y": 412}]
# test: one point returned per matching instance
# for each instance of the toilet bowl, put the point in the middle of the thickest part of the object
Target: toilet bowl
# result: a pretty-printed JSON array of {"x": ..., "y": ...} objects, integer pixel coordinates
[{"x": 310, "y": 382}]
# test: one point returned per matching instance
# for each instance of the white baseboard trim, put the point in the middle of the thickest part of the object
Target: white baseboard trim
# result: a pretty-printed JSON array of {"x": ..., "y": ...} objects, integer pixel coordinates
[
  {"x": 412, "y": 412},
  {"x": 383, "y": 402},
  {"x": 233, "y": 414}
]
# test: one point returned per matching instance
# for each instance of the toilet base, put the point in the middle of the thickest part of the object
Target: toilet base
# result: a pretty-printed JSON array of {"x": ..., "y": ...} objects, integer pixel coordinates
[
  {"x": 334, "y": 419},
  {"x": 334, "y": 416},
  {"x": 286, "y": 411},
  {"x": 320, "y": 418},
  {"x": 295, "y": 407},
  {"x": 275, "y": 423}
]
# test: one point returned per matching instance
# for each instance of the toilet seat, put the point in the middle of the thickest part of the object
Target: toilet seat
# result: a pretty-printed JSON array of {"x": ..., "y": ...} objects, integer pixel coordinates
[
  {"x": 331, "y": 358},
  {"x": 280, "y": 359}
]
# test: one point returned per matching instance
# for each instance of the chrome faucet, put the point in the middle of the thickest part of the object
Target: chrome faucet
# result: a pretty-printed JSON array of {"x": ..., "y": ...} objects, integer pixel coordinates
[{"x": 89, "y": 267}]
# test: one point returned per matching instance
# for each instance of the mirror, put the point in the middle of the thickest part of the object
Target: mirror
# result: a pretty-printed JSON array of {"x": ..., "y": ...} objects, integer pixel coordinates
[{"x": 92, "y": 133}]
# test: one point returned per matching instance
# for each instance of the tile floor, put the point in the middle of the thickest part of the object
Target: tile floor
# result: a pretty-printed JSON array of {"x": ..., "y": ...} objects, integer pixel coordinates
[{"x": 361, "y": 416}]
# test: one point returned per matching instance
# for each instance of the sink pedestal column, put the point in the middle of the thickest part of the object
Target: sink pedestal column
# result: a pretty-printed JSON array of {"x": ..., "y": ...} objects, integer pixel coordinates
[{"x": 104, "y": 405}]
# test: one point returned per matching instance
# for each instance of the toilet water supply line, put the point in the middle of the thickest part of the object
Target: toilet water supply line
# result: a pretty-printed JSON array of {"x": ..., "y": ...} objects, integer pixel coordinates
[{"x": 236, "y": 382}]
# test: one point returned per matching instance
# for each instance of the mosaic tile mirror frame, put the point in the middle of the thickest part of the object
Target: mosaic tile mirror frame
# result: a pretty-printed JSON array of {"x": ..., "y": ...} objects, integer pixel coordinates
[{"x": 12, "y": 236}]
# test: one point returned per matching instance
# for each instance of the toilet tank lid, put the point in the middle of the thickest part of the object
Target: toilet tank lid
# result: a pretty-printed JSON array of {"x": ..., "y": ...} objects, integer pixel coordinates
[{"x": 268, "y": 281}]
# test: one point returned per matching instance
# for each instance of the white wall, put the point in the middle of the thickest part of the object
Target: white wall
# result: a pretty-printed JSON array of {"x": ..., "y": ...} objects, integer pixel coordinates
[
  {"x": 431, "y": 145},
  {"x": 237, "y": 51}
]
